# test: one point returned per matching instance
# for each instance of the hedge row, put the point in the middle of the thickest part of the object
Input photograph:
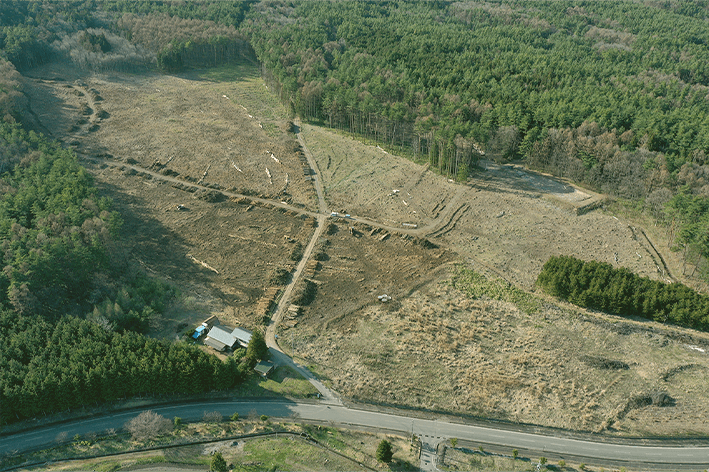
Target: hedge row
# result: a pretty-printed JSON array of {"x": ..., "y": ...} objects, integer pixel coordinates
[{"x": 620, "y": 292}]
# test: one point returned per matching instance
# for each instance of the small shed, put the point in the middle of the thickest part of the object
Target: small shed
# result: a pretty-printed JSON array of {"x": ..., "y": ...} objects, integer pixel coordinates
[
  {"x": 214, "y": 344},
  {"x": 264, "y": 368}
]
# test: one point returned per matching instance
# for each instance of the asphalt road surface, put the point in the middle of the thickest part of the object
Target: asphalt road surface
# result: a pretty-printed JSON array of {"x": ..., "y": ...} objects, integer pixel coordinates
[
  {"x": 331, "y": 410},
  {"x": 669, "y": 456}
]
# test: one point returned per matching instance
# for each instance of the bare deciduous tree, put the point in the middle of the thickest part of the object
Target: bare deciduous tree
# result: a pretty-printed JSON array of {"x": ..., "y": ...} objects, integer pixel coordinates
[
  {"x": 505, "y": 143},
  {"x": 657, "y": 200},
  {"x": 148, "y": 425},
  {"x": 122, "y": 55},
  {"x": 212, "y": 417}
]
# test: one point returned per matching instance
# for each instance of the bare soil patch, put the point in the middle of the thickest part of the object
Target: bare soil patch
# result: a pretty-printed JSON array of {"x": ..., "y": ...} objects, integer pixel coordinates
[
  {"x": 431, "y": 346},
  {"x": 507, "y": 218},
  {"x": 355, "y": 269},
  {"x": 435, "y": 348},
  {"x": 367, "y": 181},
  {"x": 220, "y": 255},
  {"x": 218, "y": 252}
]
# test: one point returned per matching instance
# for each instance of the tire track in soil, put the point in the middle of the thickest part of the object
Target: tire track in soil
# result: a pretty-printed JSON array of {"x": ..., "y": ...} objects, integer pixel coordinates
[
  {"x": 449, "y": 225},
  {"x": 446, "y": 216},
  {"x": 93, "y": 120},
  {"x": 444, "y": 219},
  {"x": 655, "y": 254}
]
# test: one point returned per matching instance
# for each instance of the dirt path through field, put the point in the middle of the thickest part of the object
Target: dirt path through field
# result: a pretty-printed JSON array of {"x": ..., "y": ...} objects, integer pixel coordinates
[
  {"x": 185, "y": 160},
  {"x": 313, "y": 165},
  {"x": 271, "y": 339}
]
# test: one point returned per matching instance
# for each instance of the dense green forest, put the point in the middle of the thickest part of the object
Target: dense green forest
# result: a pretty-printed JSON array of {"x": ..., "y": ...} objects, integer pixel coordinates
[
  {"x": 610, "y": 94},
  {"x": 472, "y": 68},
  {"x": 618, "y": 291},
  {"x": 134, "y": 36},
  {"x": 71, "y": 306}
]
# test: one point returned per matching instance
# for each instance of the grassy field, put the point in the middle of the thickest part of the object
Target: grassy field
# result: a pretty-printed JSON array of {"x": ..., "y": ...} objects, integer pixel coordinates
[
  {"x": 493, "y": 350},
  {"x": 460, "y": 459},
  {"x": 284, "y": 381},
  {"x": 335, "y": 450}
]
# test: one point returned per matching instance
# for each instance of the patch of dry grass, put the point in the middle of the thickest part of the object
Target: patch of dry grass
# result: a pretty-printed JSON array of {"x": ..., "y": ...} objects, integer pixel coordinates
[
  {"x": 469, "y": 460},
  {"x": 442, "y": 350}
]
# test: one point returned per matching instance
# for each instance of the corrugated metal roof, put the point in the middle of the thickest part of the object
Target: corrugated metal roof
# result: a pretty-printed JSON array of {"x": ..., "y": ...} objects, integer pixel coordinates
[
  {"x": 224, "y": 337},
  {"x": 242, "y": 335},
  {"x": 219, "y": 346},
  {"x": 264, "y": 367}
]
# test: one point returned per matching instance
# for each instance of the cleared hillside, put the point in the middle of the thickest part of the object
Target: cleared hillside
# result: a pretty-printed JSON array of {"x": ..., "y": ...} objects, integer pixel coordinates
[{"x": 432, "y": 346}]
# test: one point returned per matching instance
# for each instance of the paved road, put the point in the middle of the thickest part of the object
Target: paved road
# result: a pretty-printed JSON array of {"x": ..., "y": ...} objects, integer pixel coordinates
[
  {"x": 331, "y": 410},
  {"x": 668, "y": 456}
]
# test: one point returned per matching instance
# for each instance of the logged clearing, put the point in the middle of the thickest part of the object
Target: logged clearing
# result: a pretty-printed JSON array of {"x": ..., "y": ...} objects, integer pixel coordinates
[
  {"x": 445, "y": 341},
  {"x": 438, "y": 349},
  {"x": 507, "y": 218}
]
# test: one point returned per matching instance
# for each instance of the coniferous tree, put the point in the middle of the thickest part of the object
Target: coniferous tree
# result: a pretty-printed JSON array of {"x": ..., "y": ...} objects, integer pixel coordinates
[
  {"x": 217, "y": 464},
  {"x": 384, "y": 451},
  {"x": 257, "y": 348}
]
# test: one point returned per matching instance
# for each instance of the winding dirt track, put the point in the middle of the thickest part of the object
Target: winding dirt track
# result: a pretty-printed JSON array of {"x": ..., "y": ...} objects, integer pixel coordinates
[{"x": 443, "y": 220}]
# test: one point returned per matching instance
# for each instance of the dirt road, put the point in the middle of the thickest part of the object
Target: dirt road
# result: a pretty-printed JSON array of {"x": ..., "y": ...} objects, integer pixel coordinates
[
  {"x": 271, "y": 340},
  {"x": 432, "y": 347}
]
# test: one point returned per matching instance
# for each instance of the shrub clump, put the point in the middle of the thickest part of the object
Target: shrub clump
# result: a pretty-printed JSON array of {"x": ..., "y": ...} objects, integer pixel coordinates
[
  {"x": 279, "y": 276},
  {"x": 304, "y": 292},
  {"x": 603, "y": 363},
  {"x": 148, "y": 425},
  {"x": 297, "y": 252},
  {"x": 425, "y": 243},
  {"x": 478, "y": 286},
  {"x": 210, "y": 196}
]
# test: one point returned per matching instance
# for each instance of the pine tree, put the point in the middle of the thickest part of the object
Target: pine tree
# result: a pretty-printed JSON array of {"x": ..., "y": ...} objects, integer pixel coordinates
[
  {"x": 384, "y": 452},
  {"x": 218, "y": 463},
  {"x": 257, "y": 348}
]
